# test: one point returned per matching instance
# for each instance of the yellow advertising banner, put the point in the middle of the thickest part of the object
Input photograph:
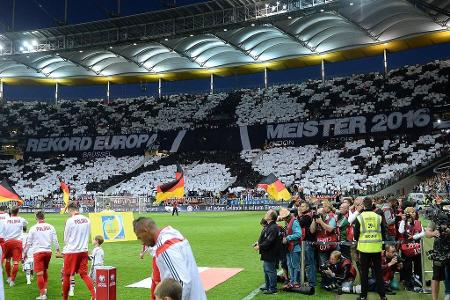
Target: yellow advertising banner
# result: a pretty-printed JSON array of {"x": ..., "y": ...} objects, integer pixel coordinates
[{"x": 113, "y": 226}]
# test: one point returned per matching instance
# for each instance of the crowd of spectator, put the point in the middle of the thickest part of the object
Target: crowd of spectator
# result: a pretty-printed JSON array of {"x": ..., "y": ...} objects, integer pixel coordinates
[
  {"x": 409, "y": 87},
  {"x": 436, "y": 185}
]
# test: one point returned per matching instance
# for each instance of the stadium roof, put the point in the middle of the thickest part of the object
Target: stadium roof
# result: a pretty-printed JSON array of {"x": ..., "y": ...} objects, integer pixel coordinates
[{"x": 352, "y": 29}]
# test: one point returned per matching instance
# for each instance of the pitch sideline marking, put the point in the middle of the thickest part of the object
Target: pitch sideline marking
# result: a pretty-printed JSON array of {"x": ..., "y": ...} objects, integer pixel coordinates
[{"x": 253, "y": 293}]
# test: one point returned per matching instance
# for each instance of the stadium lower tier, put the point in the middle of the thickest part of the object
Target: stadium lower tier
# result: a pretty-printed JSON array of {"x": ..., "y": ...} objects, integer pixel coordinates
[{"x": 353, "y": 167}]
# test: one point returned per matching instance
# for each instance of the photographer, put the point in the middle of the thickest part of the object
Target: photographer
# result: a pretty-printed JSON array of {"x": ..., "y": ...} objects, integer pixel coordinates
[
  {"x": 292, "y": 238},
  {"x": 344, "y": 229},
  {"x": 324, "y": 225},
  {"x": 411, "y": 231},
  {"x": 390, "y": 263},
  {"x": 441, "y": 247},
  {"x": 268, "y": 246},
  {"x": 339, "y": 271},
  {"x": 389, "y": 209},
  {"x": 310, "y": 260}
]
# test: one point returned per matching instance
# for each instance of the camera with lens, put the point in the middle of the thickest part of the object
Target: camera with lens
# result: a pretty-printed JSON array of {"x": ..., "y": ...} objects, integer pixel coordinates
[
  {"x": 324, "y": 267},
  {"x": 315, "y": 216},
  {"x": 399, "y": 258}
]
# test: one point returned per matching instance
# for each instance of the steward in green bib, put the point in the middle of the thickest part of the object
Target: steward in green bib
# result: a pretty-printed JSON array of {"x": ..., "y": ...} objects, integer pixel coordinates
[
  {"x": 370, "y": 239},
  {"x": 370, "y": 232}
]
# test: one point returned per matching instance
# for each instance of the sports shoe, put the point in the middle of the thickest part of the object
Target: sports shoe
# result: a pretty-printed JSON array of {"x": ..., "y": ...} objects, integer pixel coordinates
[
  {"x": 71, "y": 293},
  {"x": 8, "y": 280},
  {"x": 11, "y": 283},
  {"x": 270, "y": 292},
  {"x": 28, "y": 282},
  {"x": 42, "y": 297}
]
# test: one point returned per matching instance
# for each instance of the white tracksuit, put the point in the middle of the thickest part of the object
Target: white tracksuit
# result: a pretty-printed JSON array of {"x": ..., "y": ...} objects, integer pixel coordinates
[{"x": 178, "y": 262}]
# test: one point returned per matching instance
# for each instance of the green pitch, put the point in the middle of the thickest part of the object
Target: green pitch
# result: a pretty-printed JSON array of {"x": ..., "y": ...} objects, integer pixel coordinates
[{"x": 217, "y": 239}]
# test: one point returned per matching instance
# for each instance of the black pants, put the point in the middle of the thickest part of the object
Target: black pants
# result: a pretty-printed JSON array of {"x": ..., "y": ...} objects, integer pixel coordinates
[
  {"x": 175, "y": 210},
  {"x": 410, "y": 264},
  {"x": 368, "y": 260},
  {"x": 345, "y": 250}
]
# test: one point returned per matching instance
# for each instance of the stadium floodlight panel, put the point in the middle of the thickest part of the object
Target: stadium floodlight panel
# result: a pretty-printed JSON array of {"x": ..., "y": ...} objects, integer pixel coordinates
[{"x": 34, "y": 43}]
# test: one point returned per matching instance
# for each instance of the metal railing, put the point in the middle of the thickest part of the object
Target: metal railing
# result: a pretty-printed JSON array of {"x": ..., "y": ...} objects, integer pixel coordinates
[{"x": 195, "y": 23}]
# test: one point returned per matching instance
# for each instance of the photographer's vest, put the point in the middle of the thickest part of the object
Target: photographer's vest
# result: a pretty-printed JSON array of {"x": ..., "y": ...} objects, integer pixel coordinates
[
  {"x": 324, "y": 236},
  {"x": 411, "y": 249},
  {"x": 370, "y": 238}
]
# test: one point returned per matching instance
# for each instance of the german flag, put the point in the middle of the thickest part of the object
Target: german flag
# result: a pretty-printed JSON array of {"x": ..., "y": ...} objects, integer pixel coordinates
[
  {"x": 8, "y": 194},
  {"x": 66, "y": 194},
  {"x": 274, "y": 187},
  {"x": 173, "y": 189}
]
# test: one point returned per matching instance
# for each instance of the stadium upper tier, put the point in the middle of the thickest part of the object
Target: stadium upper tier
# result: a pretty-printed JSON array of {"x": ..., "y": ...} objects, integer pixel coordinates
[
  {"x": 410, "y": 87},
  {"x": 334, "y": 31}
]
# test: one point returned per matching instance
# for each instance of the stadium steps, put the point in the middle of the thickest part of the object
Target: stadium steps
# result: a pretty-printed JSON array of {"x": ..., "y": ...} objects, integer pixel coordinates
[{"x": 406, "y": 185}]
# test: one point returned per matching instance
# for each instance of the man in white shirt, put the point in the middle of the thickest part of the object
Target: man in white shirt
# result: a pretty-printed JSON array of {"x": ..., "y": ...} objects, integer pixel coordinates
[
  {"x": 76, "y": 239},
  {"x": 13, "y": 243},
  {"x": 3, "y": 216},
  {"x": 173, "y": 258},
  {"x": 41, "y": 237}
]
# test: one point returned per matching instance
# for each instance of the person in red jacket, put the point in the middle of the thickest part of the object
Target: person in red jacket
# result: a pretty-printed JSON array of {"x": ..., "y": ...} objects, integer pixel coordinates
[
  {"x": 340, "y": 273},
  {"x": 411, "y": 231},
  {"x": 324, "y": 226},
  {"x": 389, "y": 265}
]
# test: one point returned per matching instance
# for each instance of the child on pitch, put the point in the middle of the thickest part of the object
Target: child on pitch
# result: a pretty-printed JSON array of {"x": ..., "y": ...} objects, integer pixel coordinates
[
  {"x": 97, "y": 256},
  {"x": 72, "y": 281},
  {"x": 27, "y": 263},
  {"x": 168, "y": 289}
]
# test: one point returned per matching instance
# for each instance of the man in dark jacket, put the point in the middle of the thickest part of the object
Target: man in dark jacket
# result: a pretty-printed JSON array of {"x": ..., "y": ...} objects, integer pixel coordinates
[{"x": 269, "y": 246}]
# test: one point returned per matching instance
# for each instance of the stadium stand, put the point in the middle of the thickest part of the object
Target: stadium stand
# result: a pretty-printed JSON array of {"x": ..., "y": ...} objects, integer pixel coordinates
[
  {"x": 93, "y": 117},
  {"x": 407, "y": 87},
  {"x": 359, "y": 166},
  {"x": 356, "y": 167},
  {"x": 410, "y": 87}
]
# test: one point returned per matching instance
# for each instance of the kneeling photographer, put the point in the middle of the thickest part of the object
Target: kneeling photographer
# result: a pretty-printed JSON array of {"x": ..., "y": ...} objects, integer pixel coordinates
[
  {"x": 391, "y": 262},
  {"x": 339, "y": 273},
  {"x": 439, "y": 229}
]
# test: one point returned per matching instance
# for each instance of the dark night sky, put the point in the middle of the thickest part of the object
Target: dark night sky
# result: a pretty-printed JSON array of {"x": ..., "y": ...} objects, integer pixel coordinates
[{"x": 30, "y": 16}]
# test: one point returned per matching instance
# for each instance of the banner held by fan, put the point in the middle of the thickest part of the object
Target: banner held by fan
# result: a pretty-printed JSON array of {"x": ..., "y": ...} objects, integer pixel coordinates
[
  {"x": 66, "y": 194},
  {"x": 173, "y": 189},
  {"x": 8, "y": 195},
  {"x": 274, "y": 187}
]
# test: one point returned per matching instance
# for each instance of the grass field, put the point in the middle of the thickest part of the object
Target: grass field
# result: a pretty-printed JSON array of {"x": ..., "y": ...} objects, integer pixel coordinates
[{"x": 217, "y": 239}]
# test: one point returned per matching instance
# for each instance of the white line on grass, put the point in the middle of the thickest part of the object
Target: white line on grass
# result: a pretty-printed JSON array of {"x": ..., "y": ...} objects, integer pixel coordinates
[{"x": 253, "y": 293}]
